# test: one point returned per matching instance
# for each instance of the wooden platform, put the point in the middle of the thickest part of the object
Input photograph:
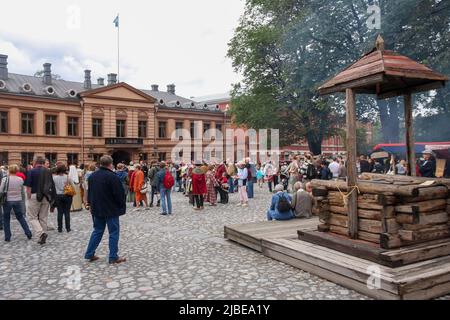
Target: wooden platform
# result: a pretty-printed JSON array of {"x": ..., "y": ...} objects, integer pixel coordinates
[
  {"x": 278, "y": 240},
  {"x": 393, "y": 258},
  {"x": 251, "y": 234}
]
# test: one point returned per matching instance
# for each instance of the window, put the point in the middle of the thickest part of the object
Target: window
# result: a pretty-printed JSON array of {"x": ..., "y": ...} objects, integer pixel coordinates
[
  {"x": 142, "y": 129},
  {"x": 27, "y": 123},
  {"x": 120, "y": 128},
  {"x": 219, "y": 129},
  {"x": 96, "y": 157},
  {"x": 3, "y": 122},
  {"x": 192, "y": 130},
  {"x": 97, "y": 127},
  {"x": 26, "y": 158},
  {"x": 179, "y": 130},
  {"x": 50, "y": 125},
  {"x": 52, "y": 158},
  {"x": 72, "y": 158},
  {"x": 3, "y": 158},
  {"x": 143, "y": 157},
  {"x": 206, "y": 127},
  {"x": 72, "y": 127},
  {"x": 161, "y": 156},
  {"x": 162, "y": 129}
]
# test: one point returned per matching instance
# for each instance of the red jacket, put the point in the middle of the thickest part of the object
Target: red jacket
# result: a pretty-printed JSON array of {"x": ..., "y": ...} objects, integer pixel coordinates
[
  {"x": 131, "y": 176},
  {"x": 219, "y": 172},
  {"x": 198, "y": 182}
]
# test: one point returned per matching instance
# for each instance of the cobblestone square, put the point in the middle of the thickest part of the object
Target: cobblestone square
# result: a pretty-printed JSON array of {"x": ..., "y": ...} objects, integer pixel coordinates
[{"x": 183, "y": 256}]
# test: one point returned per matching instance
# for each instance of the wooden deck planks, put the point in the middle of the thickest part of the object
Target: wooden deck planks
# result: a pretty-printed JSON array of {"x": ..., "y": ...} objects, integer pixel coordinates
[
  {"x": 277, "y": 240},
  {"x": 253, "y": 233}
]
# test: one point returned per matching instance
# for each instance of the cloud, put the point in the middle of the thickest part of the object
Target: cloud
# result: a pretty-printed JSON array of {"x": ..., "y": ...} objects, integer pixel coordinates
[{"x": 162, "y": 42}]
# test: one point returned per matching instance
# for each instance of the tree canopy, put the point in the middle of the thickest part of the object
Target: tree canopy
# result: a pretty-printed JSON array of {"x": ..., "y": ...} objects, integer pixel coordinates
[{"x": 286, "y": 49}]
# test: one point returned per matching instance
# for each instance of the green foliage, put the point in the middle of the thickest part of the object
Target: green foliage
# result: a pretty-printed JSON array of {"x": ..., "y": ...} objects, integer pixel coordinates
[
  {"x": 286, "y": 49},
  {"x": 40, "y": 74}
]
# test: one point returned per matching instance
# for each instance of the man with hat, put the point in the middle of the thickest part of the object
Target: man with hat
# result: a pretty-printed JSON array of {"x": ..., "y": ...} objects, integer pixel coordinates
[{"x": 428, "y": 167}]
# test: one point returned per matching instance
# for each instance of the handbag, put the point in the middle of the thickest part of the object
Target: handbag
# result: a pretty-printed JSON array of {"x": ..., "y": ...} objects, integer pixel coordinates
[
  {"x": 144, "y": 188},
  {"x": 4, "y": 192},
  {"x": 69, "y": 190}
]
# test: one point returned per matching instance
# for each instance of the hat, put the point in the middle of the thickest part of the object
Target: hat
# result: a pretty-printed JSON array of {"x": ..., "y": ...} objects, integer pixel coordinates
[
  {"x": 428, "y": 151},
  {"x": 198, "y": 163}
]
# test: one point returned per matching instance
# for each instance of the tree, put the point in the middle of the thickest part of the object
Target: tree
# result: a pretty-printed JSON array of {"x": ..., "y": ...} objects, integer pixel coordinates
[
  {"x": 40, "y": 74},
  {"x": 285, "y": 49}
]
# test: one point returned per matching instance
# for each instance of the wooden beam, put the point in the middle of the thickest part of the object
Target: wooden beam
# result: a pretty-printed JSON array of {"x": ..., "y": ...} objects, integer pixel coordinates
[
  {"x": 352, "y": 173},
  {"x": 410, "y": 145}
]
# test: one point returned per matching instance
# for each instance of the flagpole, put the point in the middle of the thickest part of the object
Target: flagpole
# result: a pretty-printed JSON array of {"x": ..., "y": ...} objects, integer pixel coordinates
[{"x": 118, "y": 49}]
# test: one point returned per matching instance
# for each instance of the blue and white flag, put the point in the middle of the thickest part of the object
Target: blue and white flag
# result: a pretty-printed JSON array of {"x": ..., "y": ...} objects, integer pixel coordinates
[{"x": 116, "y": 21}]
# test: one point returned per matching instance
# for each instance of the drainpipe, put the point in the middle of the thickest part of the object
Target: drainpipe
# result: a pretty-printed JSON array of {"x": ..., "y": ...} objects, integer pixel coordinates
[
  {"x": 82, "y": 131},
  {"x": 155, "y": 131}
]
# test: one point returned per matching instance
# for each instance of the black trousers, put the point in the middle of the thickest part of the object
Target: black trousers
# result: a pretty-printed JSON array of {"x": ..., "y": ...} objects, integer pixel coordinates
[
  {"x": 223, "y": 195},
  {"x": 63, "y": 205},
  {"x": 198, "y": 200},
  {"x": 152, "y": 196}
]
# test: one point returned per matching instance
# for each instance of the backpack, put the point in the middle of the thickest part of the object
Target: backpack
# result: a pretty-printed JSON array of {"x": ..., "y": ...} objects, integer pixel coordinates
[
  {"x": 283, "y": 204},
  {"x": 168, "y": 181},
  {"x": 310, "y": 172}
]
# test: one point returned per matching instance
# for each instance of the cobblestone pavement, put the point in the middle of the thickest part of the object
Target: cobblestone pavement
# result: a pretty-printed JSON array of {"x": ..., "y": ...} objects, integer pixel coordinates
[{"x": 183, "y": 256}]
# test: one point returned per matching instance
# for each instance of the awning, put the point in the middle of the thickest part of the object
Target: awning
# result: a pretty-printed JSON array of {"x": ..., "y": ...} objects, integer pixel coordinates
[{"x": 440, "y": 148}]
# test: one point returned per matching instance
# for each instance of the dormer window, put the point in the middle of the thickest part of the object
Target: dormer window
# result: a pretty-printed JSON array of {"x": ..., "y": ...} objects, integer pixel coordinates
[
  {"x": 2, "y": 85},
  {"x": 72, "y": 93},
  {"x": 49, "y": 90},
  {"x": 27, "y": 87}
]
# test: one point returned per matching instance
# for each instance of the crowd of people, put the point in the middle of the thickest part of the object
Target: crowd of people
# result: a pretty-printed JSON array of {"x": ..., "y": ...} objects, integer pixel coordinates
[{"x": 33, "y": 192}]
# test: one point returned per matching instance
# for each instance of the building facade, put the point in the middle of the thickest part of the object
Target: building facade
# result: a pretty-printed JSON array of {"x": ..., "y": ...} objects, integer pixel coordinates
[{"x": 78, "y": 122}]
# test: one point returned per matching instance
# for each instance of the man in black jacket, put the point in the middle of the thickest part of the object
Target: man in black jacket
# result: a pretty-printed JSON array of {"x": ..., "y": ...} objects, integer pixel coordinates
[
  {"x": 106, "y": 197},
  {"x": 428, "y": 167}
]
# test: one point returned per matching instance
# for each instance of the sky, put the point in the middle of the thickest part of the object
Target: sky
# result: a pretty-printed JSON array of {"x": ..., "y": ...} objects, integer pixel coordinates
[{"x": 161, "y": 41}]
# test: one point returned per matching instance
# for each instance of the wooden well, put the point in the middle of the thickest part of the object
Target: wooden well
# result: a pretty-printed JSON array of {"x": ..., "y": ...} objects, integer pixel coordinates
[{"x": 375, "y": 211}]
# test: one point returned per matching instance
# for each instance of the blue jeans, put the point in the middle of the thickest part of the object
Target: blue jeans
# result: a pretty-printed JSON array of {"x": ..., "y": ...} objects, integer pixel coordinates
[
  {"x": 97, "y": 235},
  {"x": 250, "y": 192},
  {"x": 231, "y": 184},
  {"x": 166, "y": 201},
  {"x": 18, "y": 207},
  {"x": 275, "y": 215},
  {"x": 1, "y": 217}
]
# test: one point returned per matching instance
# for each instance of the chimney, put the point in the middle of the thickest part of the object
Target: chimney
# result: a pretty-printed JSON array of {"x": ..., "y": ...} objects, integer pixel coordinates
[
  {"x": 171, "y": 88},
  {"x": 101, "y": 81},
  {"x": 112, "y": 79},
  {"x": 155, "y": 87},
  {"x": 87, "y": 79},
  {"x": 3, "y": 67},
  {"x": 47, "y": 74}
]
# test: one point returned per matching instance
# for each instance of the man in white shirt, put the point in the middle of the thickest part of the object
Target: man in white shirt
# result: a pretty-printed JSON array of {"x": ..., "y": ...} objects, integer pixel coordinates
[{"x": 334, "y": 168}]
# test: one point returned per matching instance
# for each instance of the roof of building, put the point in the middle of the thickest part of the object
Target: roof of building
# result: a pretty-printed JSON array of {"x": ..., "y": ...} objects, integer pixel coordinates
[
  {"x": 386, "y": 74},
  {"x": 214, "y": 98},
  {"x": 69, "y": 90},
  {"x": 16, "y": 82}
]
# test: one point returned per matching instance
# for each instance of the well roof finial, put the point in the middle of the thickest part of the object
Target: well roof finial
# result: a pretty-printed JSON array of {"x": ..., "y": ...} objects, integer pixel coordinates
[{"x": 379, "y": 44}]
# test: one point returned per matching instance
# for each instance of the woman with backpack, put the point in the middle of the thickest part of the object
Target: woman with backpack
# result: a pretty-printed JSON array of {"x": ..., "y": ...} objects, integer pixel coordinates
[
  {"x": 65, "y": 190},
  {"x": 281, "y": 205},
  {"x": 13, "y": 198},
  {"x": 165, "y": 184}
]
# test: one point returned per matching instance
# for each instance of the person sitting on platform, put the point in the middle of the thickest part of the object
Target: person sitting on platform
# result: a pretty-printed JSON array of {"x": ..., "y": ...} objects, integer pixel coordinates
[
  {"x": 281, "y": 206},
  {"x": 302, "y": 202}
]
